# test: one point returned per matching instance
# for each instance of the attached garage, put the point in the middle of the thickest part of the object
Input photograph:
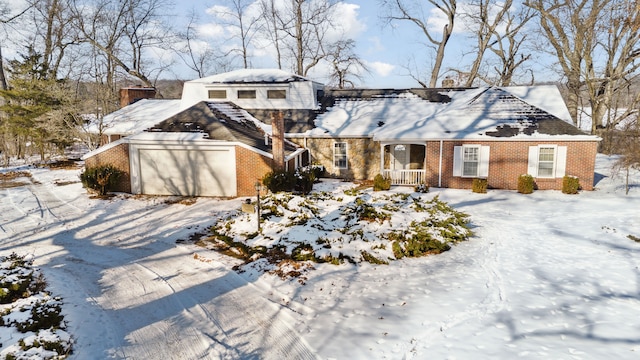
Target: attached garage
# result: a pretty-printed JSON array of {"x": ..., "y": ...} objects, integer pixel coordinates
[
  {"x": 182, "y": 164},
  {"x": 210, "y": 149}
]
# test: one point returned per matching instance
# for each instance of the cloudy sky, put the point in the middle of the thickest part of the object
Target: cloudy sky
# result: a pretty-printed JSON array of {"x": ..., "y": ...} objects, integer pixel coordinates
[{"x": 386, "y": 50}]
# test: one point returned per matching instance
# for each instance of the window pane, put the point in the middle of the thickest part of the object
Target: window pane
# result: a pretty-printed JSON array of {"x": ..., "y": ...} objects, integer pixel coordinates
[
  {"x": 545, "y": 169},
  {"x": 546, "y": 154},
  {"x": 276, "y": 94},
  {"x": 470, "y": 169},
  {"x": 470, "y": 158},
  {"x": 470, "y": 154},
  {"x": 545, "y": 162},
  {"x": 217, "y": 94},
  {"x": 340, "y": 155},
  {"x": 246, "y": 94}
]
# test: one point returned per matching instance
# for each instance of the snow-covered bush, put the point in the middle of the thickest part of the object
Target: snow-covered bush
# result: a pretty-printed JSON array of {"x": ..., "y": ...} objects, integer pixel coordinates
[{"x": 32, "y": 320}]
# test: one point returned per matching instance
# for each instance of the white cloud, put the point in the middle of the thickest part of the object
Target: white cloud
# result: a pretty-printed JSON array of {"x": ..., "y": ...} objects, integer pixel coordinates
[
  {"x": 210, "y": 30},
  {"x": 380, "y": 68},
  {"x": 347, "y": 17},
  {"x": 219, "y": 11}
]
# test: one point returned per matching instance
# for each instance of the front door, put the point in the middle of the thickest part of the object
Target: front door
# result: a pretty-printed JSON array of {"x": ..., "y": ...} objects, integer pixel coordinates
[{"x": 400, "y": 159}]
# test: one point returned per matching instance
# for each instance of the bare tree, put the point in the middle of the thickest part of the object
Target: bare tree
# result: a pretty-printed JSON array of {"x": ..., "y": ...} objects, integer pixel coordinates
[
  {"x": 123, "y": 31},
  {"x": 508, "y": 46},
  {"x": 55, "y": 31},
  {"x": 569, "y": 28},
  {"x": 414, "y": 12},
  {"x": 243, "y": 18},
  {"x": 198, "y": 55},
  {"x": 629, "y": 149},
  {"x": 619, "y": 41},
  {"x": 345, "y": 64},
  {"x": 483, "y": 19},
  {"x": 302, "y": 28},
  {"x": 270, "y": 27}
]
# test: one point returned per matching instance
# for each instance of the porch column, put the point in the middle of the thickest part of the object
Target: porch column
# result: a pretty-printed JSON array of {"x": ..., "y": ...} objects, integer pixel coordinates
[{"x": 381, "y": 158}]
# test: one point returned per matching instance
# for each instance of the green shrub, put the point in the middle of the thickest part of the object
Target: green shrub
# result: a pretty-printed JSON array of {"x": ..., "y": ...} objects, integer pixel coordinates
[
  {"x": 305, "y": 178},
  {"x": 421, "y": 188},
  {"x": 277, "y": 181},
  {"x": 479, "y": 186},
  {"x": 301, "y": 180},
  {"x": 101, "y": 178},
  {"x": 570, "y": 184},
  {"x": 526, "y": 184},
  {"x": 381, "y": 183}
]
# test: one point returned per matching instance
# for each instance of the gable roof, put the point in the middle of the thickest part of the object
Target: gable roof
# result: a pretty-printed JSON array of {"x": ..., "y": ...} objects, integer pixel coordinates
[
  {"x": 478, "y": 113},
  {"x": 251, "y": 76},
  {"x": 136, "y": 117},
  {"x": 221, "y": 121}
]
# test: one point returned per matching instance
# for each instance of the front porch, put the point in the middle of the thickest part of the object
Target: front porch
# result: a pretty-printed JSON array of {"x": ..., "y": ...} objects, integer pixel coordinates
[{"x": 404, "y": 164}]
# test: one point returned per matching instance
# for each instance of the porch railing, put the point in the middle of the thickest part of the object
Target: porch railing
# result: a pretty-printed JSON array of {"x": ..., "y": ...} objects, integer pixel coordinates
[{"x": 405, "y": 177}]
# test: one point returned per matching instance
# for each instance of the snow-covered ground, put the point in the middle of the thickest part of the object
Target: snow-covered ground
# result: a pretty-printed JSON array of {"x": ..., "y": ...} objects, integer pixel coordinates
[{"x": 546, "y": 275}]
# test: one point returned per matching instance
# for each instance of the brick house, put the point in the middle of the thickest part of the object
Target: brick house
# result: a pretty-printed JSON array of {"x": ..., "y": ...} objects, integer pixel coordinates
[
  {"x": 448, "y": 137},
  {"x": 217, "y": 140},
  {"x": 209, "y": 149}
]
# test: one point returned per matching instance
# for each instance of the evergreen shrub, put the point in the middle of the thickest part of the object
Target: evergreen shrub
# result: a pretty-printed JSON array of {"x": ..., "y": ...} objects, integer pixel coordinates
[
  {"x": 101, "y": 178},
  {"x": 278, "y": 181},
  {"x": 381, "y": 183},
  {"x": 526, "y": 184},
  {"x": 421, "y": 188},
  {"x": 570, "y": 184},
  {"x": 479, "y": 186}
]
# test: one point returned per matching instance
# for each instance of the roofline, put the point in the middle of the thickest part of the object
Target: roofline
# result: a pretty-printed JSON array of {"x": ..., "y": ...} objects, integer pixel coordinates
[{"x": 414, "y": 140}]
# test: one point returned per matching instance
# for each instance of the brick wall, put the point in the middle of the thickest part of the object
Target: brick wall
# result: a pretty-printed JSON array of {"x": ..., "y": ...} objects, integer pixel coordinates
[
  {"x": 508, "y": 160},
  {"x": 250, "y": 167},
  {"x": 117, "y": 156}
]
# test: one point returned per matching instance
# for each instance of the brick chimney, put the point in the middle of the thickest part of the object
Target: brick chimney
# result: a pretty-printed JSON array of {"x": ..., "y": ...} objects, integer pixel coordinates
[
  {"x": 277, "y": 145},
  {"x": 129, "y": 95}
]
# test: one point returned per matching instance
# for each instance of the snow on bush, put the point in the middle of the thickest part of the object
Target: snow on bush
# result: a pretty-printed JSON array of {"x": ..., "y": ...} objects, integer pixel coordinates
[
  {"x": 334, "y": 227},
  {"x": 32, "y": 326}
]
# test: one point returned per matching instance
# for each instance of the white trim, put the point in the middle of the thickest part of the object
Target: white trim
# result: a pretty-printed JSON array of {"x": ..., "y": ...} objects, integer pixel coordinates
[
  {"x": 553, "y": 165},
  {"x": 346, "y": 150},
  {"x": 559, "y": 161}
]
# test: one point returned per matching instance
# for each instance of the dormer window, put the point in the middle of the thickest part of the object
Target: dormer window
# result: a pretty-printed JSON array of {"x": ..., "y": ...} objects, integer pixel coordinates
[
  {"x": 276, "y": 94},
  {"x": 217, "y": 94},
  {"x": 246, "y": 94}
]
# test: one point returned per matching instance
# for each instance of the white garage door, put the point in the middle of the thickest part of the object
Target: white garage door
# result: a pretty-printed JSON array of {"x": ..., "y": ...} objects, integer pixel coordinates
[{"x": 188, "y": 172}]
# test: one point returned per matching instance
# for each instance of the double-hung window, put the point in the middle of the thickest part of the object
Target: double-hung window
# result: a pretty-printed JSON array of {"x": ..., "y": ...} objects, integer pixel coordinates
[
  {"x": 340, "y": 155},
  {"x": 546, "y": 162},
  {"x": 470, "y": 161}
]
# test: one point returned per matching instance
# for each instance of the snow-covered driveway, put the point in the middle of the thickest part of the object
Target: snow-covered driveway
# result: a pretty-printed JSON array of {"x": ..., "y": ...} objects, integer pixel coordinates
[
  {"x": 129, "y": 290},
  {"x": 547, "y": 275}
]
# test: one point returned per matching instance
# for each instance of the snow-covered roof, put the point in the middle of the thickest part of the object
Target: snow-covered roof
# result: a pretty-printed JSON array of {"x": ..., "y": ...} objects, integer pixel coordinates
[
  {"x": 251, "y": 76},
  {"x": 479, "y": 113},
  {"x": 136, "y": 117}
]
